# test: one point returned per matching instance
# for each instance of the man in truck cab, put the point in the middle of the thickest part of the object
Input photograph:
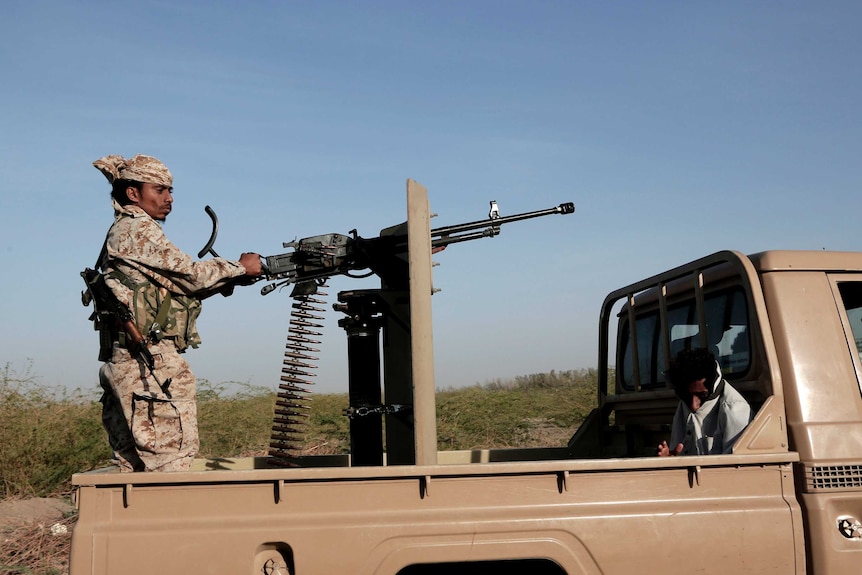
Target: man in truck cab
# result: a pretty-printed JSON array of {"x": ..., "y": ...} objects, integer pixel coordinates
[{"x": 711, "y": 414}]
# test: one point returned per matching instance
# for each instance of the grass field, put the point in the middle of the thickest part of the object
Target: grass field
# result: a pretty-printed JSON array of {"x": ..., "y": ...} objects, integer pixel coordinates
[{"x": 47, "y": 434}]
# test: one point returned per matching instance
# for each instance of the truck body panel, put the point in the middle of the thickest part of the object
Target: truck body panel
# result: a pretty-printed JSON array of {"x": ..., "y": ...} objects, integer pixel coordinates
[{"x": 361, "y": 519}]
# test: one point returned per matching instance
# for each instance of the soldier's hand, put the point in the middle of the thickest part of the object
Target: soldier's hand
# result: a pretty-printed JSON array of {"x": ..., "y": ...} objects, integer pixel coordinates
[{"x": 251, "y": 262}]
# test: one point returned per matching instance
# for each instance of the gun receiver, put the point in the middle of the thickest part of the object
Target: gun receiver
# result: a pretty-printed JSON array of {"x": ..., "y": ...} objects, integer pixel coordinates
[
  {"x": 316, "y": 257},
  {"x": 319, "y": 257}
]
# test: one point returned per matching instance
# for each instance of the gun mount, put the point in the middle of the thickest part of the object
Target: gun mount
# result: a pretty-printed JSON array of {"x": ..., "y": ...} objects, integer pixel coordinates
[{"x": 398, "y": 365}]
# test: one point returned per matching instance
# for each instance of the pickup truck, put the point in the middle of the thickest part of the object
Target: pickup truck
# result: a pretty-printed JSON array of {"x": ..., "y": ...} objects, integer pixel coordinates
[{"x": 786, "y": 327}]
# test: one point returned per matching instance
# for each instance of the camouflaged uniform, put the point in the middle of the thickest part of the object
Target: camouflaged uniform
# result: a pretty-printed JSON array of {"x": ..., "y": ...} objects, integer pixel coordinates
[{"x": 152, "y": 424}]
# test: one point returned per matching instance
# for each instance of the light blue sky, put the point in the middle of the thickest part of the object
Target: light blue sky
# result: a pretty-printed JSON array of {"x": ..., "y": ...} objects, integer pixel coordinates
[{"x": 677, "y": 128}]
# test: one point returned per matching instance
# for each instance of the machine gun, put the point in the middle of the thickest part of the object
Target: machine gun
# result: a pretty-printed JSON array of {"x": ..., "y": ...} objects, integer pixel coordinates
[
  {"x": 400, "y": 257},
  {"x": 320, "y": 257}
]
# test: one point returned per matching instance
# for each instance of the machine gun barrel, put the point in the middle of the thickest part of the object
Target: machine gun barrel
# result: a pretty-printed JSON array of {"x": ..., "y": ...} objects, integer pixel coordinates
[{"x": 472, "y": 230}]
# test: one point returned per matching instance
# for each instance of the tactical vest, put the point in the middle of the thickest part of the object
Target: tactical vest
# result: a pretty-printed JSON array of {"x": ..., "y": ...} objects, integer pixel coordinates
[{"x": 160, "y": 314}]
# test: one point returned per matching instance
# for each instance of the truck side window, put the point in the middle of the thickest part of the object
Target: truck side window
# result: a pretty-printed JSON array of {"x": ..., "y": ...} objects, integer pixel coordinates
[
  {"x": 727, "y": 322},
  {"x": 851, "y": 294},
  {"x": 728, "y": 337},
  {"x": 649, "y": 347}
]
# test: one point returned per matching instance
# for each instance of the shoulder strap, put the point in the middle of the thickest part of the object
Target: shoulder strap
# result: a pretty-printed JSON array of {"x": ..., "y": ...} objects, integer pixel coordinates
[{"x": 102, "y": 253}]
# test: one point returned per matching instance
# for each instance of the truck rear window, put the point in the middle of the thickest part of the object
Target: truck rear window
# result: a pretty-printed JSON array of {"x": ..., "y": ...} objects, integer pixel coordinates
[{"x": 728, "y": 337}]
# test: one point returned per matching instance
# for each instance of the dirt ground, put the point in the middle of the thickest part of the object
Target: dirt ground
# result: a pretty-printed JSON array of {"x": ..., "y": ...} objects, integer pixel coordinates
[
  {"x": 15, "y": 513},
  {"x": 35, "y": 536}
]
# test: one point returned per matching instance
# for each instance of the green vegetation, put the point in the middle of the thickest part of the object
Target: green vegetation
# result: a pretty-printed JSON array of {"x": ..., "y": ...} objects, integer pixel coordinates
[
  {"x": 529, "y": 411},
  {"x": 238, "y": 424},
  {"x": 48, "y": 434},
  {"x": 45, "y": 435}
]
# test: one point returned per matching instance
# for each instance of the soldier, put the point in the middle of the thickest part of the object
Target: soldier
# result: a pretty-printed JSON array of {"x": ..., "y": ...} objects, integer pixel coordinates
[{"x": 150, "y": 414}]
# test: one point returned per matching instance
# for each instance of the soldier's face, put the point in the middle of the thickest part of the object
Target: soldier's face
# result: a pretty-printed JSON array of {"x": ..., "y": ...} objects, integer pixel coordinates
[{"x": 154, "y": 199}]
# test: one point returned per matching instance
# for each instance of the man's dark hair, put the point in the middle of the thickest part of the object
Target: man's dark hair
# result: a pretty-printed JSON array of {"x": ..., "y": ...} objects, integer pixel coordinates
[
  {"x": 690, "y": 365},
  {"x": 118, "y": 190}
]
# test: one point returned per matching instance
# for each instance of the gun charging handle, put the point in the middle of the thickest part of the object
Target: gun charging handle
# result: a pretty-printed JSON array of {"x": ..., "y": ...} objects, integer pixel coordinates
[{"x": 208, "y": 248}]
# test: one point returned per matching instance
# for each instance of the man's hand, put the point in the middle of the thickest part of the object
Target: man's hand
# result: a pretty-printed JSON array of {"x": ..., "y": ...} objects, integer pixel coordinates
[
  {"x": 253, "y": 268},
  {"x": 252, "y": 264},
  {"x": 664, "y": 450}
]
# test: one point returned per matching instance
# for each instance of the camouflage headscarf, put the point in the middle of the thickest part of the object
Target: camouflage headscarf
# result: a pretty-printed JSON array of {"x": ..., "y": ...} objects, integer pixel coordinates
[{"x": 139, "y": 168}]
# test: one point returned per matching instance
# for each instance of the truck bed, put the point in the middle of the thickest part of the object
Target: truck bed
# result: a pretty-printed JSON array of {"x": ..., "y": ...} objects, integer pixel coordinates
[{"x": 557, "y": 515}]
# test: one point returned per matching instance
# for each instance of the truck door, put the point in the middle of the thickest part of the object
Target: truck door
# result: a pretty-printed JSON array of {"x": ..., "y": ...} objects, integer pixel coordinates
[{"x": 831, "y": 477}]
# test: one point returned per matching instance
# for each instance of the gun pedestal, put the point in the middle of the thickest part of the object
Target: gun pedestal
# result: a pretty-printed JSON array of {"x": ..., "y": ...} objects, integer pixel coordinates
[
  {"x": 370, "y": 313},
  {"x": 362, "y": 324}
]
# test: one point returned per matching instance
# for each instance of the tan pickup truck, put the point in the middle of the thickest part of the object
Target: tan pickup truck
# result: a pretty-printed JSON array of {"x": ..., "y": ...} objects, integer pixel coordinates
[{"x": 787, "y": 330}]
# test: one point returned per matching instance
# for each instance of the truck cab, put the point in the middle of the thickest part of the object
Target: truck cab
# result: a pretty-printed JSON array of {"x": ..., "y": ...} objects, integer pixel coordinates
[{"x": 786, "y": 328}]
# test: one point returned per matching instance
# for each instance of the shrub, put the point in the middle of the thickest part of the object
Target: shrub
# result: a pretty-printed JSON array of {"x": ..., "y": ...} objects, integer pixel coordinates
[{"x": 47, "y": 434}]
